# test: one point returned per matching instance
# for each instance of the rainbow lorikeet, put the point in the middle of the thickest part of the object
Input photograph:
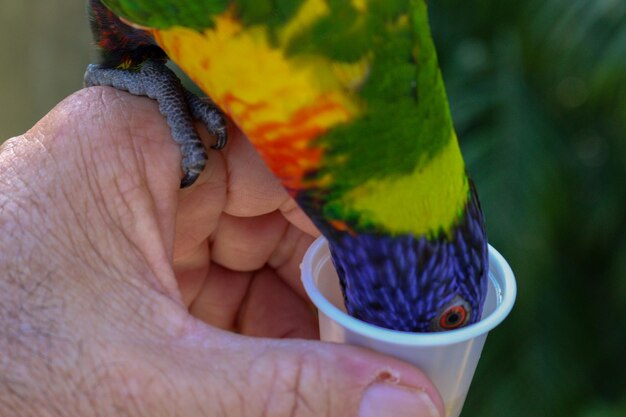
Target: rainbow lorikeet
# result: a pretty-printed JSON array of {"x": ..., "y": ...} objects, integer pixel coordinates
[{"x": 345, "y": 102}]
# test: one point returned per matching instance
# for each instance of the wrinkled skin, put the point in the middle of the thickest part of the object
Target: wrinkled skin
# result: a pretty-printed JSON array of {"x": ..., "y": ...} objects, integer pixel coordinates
[{"x": 95, "y": 316}]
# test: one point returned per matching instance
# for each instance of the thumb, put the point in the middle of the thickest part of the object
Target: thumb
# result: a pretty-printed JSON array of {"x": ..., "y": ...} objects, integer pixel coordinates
[{"x": 236, "y": 376}]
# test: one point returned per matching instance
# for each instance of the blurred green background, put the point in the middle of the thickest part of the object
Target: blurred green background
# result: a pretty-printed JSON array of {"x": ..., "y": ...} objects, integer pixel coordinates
[
  {"x": 44, "y": 49},
  {"x": 538, "y": 94}
]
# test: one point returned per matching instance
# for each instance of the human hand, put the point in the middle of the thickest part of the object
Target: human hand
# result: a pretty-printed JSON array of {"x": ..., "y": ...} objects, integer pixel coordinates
[{"x": 122, "y": 295}]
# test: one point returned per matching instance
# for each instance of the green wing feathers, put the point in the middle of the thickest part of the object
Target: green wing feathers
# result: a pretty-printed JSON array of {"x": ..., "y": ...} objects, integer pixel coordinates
[{"x": 162, "y": 14}]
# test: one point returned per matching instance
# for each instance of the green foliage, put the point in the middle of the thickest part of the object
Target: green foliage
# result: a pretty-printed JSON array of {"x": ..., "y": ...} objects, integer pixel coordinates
[{"x": 538, "y": 95}]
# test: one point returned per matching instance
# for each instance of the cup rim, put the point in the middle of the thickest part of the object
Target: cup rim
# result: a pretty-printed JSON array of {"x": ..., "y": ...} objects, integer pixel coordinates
[{"x": 506, "y": 288}]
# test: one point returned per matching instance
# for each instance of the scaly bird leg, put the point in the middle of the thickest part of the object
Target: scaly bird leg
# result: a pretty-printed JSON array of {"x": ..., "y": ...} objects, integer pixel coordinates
[{"x": 179, "y": 106}]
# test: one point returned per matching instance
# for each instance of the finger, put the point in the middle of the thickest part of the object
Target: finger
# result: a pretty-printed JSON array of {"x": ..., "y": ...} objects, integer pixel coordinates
[
  {"x": 272, "y": 309},
  {"x": 216, "y": 373},
  {"x": 249, "y": 244},
  {"x": 219, "y": 300},
  {"x": 246, "y": 243},
  {"x": 287, "y": 257},
  {"x": 252, "y": 188},
  {"x": 199, "y": 211},
  {"x": 200, "y": 207},
  {"x": 294, "y": 214}
]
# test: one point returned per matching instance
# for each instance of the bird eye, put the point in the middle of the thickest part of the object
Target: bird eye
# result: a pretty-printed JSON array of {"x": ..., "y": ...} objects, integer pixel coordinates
[{"x": 454, "y": 315}]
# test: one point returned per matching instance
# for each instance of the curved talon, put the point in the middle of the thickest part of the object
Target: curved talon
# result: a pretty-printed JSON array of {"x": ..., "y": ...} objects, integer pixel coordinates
[
  {"x": 221, "y": 138},
  {"x": 188, "y": 179},
  {"x": 206, "y": 111}
]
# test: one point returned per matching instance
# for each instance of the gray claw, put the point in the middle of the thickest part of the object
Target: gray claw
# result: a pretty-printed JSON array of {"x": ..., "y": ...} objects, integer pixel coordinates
[
  {"x": 188, "y": 179},
  {"x": 208, "y": 113}
]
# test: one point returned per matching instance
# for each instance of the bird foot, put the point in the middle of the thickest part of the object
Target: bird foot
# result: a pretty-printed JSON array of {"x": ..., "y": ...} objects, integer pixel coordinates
[{"x": 179, "y": 106}]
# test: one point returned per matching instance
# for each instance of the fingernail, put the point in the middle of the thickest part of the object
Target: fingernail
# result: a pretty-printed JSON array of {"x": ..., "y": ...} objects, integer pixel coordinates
[{"x": 385, "y": 400}]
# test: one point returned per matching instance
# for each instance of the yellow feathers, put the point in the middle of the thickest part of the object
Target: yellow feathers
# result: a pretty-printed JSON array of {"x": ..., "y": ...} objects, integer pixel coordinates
[
  {"x": 282, "y": 103},
  {"x": 240, "y": 69},
  {"x": 436, "y": 191}
]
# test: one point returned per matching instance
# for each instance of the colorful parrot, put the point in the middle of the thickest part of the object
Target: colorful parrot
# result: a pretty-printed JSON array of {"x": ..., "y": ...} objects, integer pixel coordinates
[{"x": 345, "y": 102}]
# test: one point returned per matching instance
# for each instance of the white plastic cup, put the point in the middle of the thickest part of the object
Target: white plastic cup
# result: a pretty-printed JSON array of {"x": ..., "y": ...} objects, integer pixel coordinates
[{"x": 448, "y": 358}]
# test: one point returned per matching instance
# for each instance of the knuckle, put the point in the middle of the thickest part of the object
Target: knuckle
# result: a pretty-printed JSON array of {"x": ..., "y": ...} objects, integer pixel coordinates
[{"x": 297, "y": 388}]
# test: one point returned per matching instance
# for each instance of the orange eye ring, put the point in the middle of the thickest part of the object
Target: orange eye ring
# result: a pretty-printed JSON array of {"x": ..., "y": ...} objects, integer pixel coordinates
[{"x": 453, "y": 318}]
